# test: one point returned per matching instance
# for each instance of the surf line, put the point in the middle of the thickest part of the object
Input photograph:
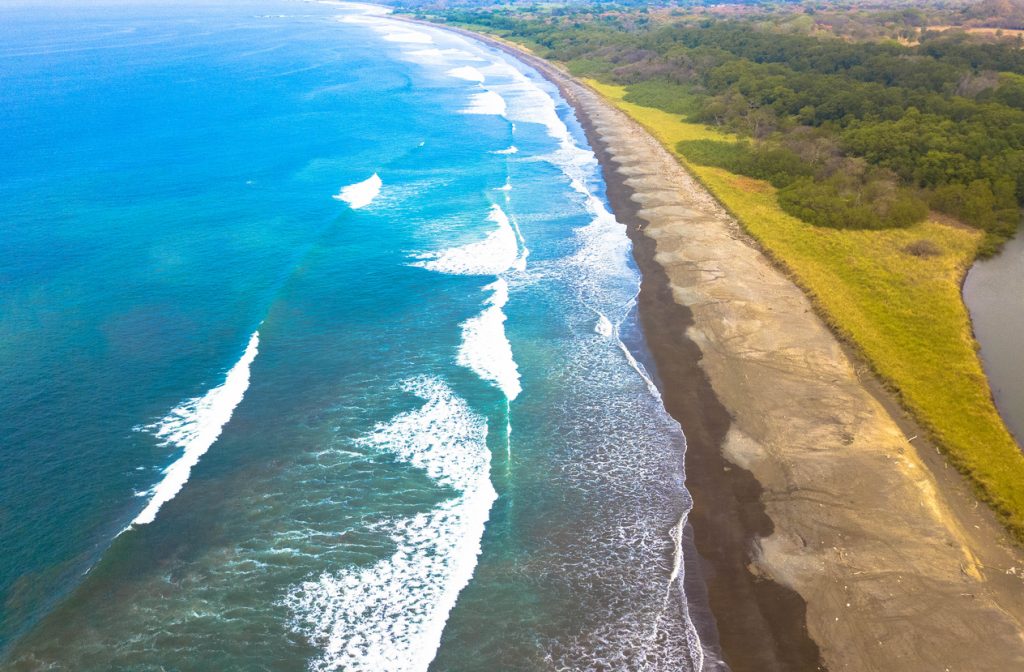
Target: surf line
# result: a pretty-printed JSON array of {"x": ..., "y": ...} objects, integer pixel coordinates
[
  {"x": 390, "y": 616},
  {"x": 194, "y": 426},
  {"x": 485, "y": 349}
]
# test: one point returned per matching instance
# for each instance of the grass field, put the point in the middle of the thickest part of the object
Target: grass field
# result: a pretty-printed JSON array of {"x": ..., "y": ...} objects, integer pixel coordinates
[{"x": 902, "y": 312}]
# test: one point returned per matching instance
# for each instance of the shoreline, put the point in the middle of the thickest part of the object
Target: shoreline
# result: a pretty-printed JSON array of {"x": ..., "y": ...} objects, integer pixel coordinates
[
  {"x": 727, "y": 515},
  {"x": 822, "y": 530}
]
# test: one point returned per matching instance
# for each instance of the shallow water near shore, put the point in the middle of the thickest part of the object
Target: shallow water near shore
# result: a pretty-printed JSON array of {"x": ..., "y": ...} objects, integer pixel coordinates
[
  {"x": 994, "y": 294},
  {"x": 314, "y": 330}
]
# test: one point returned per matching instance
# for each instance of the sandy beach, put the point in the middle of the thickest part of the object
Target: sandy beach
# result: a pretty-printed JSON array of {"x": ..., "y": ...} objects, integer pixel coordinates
[{"x": 831, "y": 535}]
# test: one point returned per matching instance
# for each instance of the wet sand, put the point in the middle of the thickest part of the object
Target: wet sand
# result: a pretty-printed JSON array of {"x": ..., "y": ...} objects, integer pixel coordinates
[{"x": 831, "y": 535}]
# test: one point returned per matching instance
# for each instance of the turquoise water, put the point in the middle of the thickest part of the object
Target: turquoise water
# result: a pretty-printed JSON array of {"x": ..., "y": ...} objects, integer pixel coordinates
[{"x": 313, "y": 355}]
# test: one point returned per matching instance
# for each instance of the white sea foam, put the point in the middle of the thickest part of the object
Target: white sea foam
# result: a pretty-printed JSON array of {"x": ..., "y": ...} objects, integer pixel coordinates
[
  {"x": 485, "y": 349},
  {"x": 638, "y": 367},
  {"x": 405, "y": 35},
  {"x": 468, "y": 73},
  {"x": 603, "y": 278},
  {"x": 677, "y": 577},
  {"x": 390, "y": 616},
  {"x": 360, "y": 194},
  {"x": 431, "y": 55},
  {"x": 496, "y": 253},
  {"x": 526, "y": 101},
  {"x": 360, "y": 19},
  {"x": 630, "y": 359},
  {"x": 508, "y": 150},
  {"x": 605, "y": 249},
  {"x": 436, "y": 56},
  {"x": 194, "y": 426},
  {"x": 601, "y": 262},
  {"x": 486, "y": 102}
]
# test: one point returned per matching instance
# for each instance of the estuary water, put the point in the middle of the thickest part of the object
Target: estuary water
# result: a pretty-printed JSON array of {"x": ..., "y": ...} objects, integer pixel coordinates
[
  {"x": 994, "y": 294},
  {"x": 318, "y": 351}
]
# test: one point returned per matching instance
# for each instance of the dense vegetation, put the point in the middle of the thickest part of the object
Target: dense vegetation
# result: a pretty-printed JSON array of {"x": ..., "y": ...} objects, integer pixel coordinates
[{"x": 855, "y": 134}]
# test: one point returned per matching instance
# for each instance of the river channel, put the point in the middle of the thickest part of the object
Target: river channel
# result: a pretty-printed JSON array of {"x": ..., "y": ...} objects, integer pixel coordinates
[{"x": 994, "y": 294}]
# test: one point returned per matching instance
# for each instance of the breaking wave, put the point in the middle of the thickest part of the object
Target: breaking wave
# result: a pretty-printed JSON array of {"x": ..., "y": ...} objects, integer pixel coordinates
[
  {"x": 496, "y": 253},
  {"x": 468, "y": 73},
  {"x": 485, "y": 349},
  {"x": 360, "y": 194},
  {"x": 194, "y": 426},
  {"x": 389, "y": 617},
  {"x": 486, "y": 102}
]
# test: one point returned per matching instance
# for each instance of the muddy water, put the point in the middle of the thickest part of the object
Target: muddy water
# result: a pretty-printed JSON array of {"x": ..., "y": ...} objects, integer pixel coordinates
[{"x": 994, "y": 294}]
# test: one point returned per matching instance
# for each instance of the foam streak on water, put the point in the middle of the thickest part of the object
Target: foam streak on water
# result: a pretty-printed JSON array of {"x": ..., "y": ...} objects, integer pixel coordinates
[
  {"x": 485, "y": 348},
  {"x": 633, "y": 362},
  {"x": 404, "y": 35},
  {"x": 194, "y": 426},
  {"x": 390, "y": 616},
  {"x": 604, "y": 243}
]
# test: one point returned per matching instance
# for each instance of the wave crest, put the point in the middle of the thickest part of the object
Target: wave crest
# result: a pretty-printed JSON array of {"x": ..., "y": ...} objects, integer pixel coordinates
[
  {"x": 496, "y": 253},
  {"x": 486, "y": 102},
  {"x": 194, "y": 426},
  {"x": 485, "y": 349},
  {"x": 389, "y": 617}
]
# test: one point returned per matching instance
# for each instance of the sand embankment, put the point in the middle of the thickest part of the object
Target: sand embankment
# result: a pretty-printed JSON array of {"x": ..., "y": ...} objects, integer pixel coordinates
[{"x": 815, "y": 514}]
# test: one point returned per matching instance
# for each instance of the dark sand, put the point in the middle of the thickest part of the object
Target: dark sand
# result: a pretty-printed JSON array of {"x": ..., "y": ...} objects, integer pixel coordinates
[
  {"x": 830, "y": 535},
  {"x": 766, "y": 625}
]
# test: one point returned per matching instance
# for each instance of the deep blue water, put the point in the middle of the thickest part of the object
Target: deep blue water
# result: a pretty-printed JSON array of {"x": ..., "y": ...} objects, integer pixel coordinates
[{"x": 251, "y": 420}]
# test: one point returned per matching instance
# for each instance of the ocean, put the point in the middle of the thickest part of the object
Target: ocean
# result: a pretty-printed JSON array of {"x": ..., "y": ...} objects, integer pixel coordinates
[{"x": 318, "y": 351}]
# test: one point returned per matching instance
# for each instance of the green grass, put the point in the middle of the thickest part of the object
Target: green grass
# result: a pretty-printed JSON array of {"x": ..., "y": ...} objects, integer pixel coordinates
[
  {"x": 586, "y": 67},
  {"x": 903, "y": 313},
  {"x": 663, "y": 95}
]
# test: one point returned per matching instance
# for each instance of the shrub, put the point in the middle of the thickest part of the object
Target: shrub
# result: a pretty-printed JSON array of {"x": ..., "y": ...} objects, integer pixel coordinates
[
  {"x": 663, "y": 95},
  {"x": 777, "y": 165},
  {"x": 979, "y": 204},
  {"x": 922, "y": 248},
  {"x": 838, "y": 204}
]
